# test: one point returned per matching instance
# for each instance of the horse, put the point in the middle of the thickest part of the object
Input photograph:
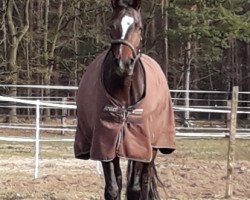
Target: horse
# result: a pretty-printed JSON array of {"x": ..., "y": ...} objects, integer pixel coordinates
[{"x": 124, "y": 109}]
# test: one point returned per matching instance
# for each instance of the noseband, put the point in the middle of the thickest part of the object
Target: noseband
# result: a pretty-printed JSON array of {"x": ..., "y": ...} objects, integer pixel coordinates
[{"x": 136, "y": 55}]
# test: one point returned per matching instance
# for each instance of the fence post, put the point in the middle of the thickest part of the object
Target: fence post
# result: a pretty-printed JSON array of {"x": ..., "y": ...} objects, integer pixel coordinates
[
  {"x": 187, "y": 105},
  {"x": 231, "y": 144},
  {"x": 37, "y": 148},
  {"x": 64, "y": 114},
  {"x": 228, "y": 115}
]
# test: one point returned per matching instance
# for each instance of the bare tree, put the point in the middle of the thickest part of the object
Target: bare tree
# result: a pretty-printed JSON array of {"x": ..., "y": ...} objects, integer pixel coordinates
[
  {"x": 4, "y": 40},
  {"x": 76, "y": 41},
  {"x": 248, "y": 70},
  {"x": 49, "y": 53},
  {"x": 150, "y": 30},
  {"x": 15, "y": 35}
]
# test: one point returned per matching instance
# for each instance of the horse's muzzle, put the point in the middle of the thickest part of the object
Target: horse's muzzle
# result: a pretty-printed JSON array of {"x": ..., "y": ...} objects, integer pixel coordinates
[{"x": 126, "y": 66}]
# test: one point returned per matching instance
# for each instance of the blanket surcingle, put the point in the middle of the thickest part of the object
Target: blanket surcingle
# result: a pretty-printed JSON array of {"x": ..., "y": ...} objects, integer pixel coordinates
[{"x": 105, "y": 129}]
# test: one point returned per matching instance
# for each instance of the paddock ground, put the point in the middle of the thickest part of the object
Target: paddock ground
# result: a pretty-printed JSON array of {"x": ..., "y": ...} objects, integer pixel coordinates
[{"x": 197, "y": 170}]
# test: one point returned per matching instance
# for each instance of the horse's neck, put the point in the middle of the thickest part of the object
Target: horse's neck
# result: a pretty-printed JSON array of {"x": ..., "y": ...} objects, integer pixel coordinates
[{"x": 127, "y": 90}]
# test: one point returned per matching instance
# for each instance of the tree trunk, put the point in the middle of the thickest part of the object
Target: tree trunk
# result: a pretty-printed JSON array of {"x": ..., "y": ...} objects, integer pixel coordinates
[
  {"x": 165, "y": 5},
  {"x": 39, "y": 49},
  {"x": 50, "y": 55},
  {"x": 76, "y": 46},
  {"x": 153, "y": 33},
  {"x": 29, "y": 52},
  {"x": 149, "y": 31},
  {"x": 195, "y": 74},
  {"x": 46, "y": 77},
  {"x": 4, "y": 33},
  {"x": 248, "y": 77},
  {"x": 15, "y": 38},
  {"x": 187, "y": 80},
  {"x": 76, "y": 42},
  {"x": 29, "y": 72}
]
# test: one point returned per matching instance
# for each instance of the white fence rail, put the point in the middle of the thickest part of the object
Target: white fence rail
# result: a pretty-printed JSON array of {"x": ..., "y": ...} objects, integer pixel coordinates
[
  {"x": 181, "y": 131},
  {"x": 37, "y": 140}
]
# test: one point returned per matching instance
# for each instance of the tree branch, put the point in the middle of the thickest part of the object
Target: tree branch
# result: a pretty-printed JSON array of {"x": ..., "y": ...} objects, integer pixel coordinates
[
  {"x": 25, "y": 28},
  {"x": 10, "y": 22}
]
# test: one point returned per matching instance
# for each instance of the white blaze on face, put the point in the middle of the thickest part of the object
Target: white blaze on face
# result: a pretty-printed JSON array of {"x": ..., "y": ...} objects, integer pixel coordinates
[{"x": 126, "y": 23}]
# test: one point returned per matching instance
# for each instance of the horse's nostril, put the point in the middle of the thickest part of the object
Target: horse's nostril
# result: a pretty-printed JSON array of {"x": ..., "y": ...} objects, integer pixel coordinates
[
  {"x": 117, "y": 61},
  {"x": 131, "y": 61}
]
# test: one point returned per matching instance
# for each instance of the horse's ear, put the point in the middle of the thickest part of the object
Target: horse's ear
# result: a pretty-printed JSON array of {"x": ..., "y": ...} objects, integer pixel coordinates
[
  {"x": 136, "y": 4},
  {"x": 114, "y": 3}
]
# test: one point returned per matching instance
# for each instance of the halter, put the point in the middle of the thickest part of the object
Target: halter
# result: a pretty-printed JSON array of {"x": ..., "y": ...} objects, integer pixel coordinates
[{"x": 136, "y": 55}]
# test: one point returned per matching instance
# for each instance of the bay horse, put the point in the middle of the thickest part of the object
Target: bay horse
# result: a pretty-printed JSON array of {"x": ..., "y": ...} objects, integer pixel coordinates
[{"x": 124, "y": 109}]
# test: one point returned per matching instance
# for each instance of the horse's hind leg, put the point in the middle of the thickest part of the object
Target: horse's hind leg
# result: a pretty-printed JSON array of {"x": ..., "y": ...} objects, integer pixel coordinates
[{"x": 113, "y": 179}]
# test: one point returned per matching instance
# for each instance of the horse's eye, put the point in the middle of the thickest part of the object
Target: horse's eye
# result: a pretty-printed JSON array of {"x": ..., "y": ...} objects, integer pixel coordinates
[
  {"x": 108, "y": 29},
  {"x": 139, "y": 27},
  {"x": 111, "y": 27}
]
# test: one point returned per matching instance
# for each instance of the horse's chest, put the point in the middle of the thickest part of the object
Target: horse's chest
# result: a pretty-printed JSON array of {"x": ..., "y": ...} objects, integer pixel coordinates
[{"x": 106, "y": 129}]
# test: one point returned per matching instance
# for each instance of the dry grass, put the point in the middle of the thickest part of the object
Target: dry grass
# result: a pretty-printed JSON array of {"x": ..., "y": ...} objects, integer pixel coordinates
[
  {"x": 206, "y": 149},
  {"x": 196, "y": 170}
]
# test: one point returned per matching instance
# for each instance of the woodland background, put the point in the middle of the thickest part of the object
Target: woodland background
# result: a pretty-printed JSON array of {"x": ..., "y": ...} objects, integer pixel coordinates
[{"x": 200, "y": 44}]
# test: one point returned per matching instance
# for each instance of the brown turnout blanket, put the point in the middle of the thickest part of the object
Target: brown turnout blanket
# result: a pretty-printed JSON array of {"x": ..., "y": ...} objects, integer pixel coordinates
[{"x": 106, "y": 129}]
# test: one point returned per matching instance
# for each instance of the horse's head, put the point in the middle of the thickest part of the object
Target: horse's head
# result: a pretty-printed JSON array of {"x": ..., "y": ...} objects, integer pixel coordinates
[{"x": 125, "y": 33}]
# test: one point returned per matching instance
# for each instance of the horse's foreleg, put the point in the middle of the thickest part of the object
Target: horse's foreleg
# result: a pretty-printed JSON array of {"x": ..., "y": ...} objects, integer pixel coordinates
[
  {"x": 142, "y": 178},
  {"x": 118, "y": 174},
  {"x": 146, "y": 182},
  {"x": 112, "y": 182},
  {"x": 149, "y": 177},
  {"x": 134, "y": 180}
]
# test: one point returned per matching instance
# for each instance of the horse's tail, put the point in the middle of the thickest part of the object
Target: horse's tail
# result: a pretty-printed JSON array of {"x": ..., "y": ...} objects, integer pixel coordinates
[{"x": 155, "y": 181}]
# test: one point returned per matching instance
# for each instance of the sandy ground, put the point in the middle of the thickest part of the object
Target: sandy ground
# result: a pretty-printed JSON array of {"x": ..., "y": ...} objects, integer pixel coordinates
[
  {"x": 184, "y": 178},
  {"x": 197, "y": 170}
]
